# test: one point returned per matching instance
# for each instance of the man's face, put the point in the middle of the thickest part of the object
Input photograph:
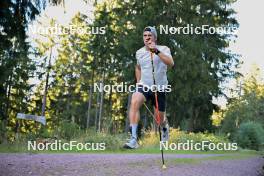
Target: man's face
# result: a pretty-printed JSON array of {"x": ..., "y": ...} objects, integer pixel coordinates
[{"x": 148, "y": 37}]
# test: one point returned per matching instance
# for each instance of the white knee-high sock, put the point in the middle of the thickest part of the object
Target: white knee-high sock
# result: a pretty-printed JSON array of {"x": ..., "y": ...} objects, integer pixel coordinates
[{"x": 134, "y": 130}]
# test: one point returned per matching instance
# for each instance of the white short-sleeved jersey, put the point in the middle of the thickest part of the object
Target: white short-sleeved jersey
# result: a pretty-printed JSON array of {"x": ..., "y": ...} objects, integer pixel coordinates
[{"x": 143, "y": 57}]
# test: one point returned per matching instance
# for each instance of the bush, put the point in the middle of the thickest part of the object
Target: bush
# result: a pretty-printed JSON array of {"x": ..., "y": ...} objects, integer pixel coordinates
[
  {"x": 177, "y": 136},
  {"x": 250, "y": 135},
  {"x": 69, "y": 130},
  {"x": 112, "y": 142}
]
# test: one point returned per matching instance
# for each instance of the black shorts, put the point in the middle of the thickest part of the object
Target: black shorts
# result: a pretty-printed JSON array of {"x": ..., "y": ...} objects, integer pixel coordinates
[{"x": 150, "y": 95}]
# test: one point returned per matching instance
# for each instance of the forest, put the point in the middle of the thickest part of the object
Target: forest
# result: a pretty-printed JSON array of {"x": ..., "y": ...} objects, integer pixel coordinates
[{"x": 53, "y": 75}]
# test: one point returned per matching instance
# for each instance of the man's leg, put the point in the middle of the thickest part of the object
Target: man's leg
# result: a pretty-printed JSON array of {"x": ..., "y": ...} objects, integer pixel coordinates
[
  {"x": 162, "y": 117},
  {"x": 134, "y": 116},
  {"x": 163, "y": 120},
  {"x": 164, "y": 125}
]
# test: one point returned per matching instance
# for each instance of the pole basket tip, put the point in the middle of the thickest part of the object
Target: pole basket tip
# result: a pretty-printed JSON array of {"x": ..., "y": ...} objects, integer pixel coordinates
[{"x": 164, "y": 167}]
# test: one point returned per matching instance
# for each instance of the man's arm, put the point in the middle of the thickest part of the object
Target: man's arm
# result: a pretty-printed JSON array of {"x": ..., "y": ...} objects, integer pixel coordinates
[
  {"x": 166, "y": 59},
  {"x": 138, "y": 73}
]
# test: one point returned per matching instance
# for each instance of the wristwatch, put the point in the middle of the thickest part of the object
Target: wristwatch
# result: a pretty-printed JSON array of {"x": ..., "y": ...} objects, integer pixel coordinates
[{"x": 157, "y": 51}]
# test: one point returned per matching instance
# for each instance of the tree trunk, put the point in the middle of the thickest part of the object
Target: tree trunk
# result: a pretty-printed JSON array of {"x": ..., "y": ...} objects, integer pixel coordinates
[
  {"x": 89, "y": 107},
  {"x": 110, "y": 113},
  {"x": 101, "y": 107},
  {"x": 9, "y": 87},
  {"x": 128, "y": 108},
  {"x": 96, "y": 110},
  {"x": 73, "y": 119},
  {"x": 44, "y": 101}
]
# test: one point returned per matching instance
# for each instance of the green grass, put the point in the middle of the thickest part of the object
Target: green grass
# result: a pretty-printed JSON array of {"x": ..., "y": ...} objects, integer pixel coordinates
[
  {"x": 225, "y": 155},
  {"x": 149, "y": 145},
  {"x": 22, "y": 148},
  {"x": 13, "y": 148},
  {"x": 235, "y": 156}
]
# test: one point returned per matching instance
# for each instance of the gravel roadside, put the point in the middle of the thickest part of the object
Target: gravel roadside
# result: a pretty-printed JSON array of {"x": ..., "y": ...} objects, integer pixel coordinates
[{"x": 127, "y": 164}]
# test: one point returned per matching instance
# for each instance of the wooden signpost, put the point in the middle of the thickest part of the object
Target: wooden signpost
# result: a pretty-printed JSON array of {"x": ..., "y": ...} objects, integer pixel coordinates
[{"x": 40, "y": 119}]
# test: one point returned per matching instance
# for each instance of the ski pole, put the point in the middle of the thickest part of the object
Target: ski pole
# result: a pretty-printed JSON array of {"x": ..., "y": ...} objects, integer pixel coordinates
[
  {"x": 157, "y": 109},
  {"x": 152, "y": 115}
]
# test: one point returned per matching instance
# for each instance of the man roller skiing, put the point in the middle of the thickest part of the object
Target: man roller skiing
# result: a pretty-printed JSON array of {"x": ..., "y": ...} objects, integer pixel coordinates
[{"x": 148, "y": 72}]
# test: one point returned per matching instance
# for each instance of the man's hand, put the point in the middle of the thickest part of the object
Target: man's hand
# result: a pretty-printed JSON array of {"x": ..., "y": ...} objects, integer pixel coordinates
[
  {"x": 166, "y": 59},
  {"x": 152, "y": 46}
]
